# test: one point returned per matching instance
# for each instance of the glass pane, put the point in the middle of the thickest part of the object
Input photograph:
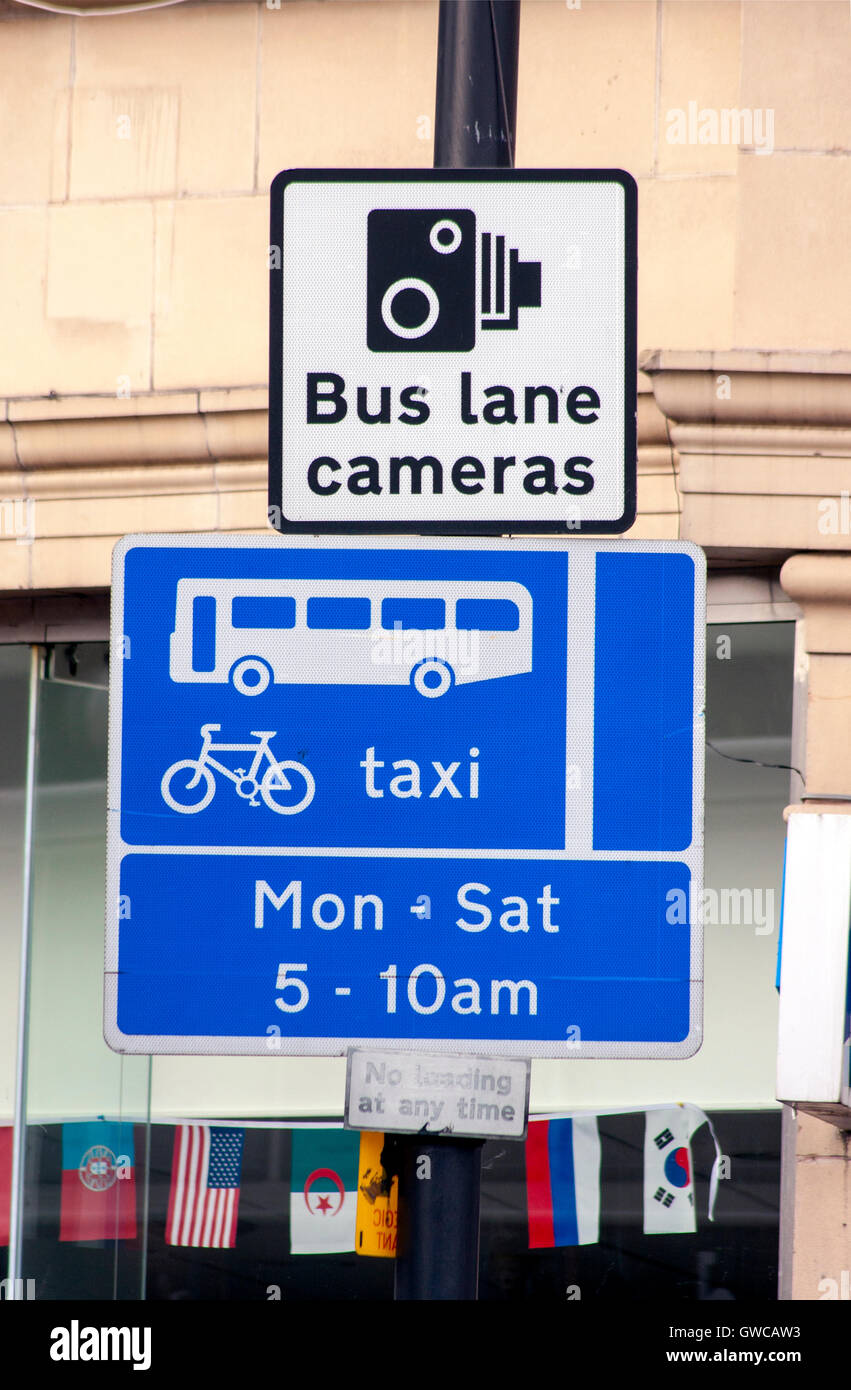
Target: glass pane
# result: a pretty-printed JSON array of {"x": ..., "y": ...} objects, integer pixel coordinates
[
  {"x": 14, "y": 684},
  {"x": 86, "y": 1106},
  {"x": 86, "y": 1232},
  {"x": 734, "y": 1257},
  {"x": 749, "y": 676}
]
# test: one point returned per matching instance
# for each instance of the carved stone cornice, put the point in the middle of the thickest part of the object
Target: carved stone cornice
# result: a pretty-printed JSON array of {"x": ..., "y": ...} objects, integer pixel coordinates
[
  {"x": 52, "y": 447},
  {"x": 764, "y": 447},
  {"x": 821, "y": 584},
  {"x": 82, "y": 471}
]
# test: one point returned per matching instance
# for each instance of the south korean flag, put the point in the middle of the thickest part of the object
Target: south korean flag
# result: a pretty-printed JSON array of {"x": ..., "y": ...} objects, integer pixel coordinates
[{"x": 668, "y": 1175}]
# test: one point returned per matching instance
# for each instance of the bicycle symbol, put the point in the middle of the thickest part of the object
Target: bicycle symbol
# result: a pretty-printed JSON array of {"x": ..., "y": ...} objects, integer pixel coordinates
[{"x": 273, "y": 784}]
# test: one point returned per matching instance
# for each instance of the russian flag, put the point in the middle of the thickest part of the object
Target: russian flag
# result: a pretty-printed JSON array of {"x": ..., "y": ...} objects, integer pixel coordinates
[
  {"x": 563, "y": 1181},
  {"x": 98, "y": 1182}
]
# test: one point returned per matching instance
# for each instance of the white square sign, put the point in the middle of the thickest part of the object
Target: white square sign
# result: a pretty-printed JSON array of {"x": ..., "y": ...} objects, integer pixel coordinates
[{"x": 452, "y": 351}]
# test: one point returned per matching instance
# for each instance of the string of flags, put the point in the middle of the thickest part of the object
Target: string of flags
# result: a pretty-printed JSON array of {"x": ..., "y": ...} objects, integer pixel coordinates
[
  {"x": 341, "y": 1198},
  {"x": 563, "y": 1158}
]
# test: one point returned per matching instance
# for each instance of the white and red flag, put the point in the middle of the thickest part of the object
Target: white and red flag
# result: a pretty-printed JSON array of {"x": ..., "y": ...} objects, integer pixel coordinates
[
  {"x": 205, "y": 1176},
  {"x": 668, "y": 1170}
]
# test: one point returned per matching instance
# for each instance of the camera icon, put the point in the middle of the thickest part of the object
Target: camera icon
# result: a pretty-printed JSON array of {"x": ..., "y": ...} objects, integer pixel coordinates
[{"x": 424, "y": 289}]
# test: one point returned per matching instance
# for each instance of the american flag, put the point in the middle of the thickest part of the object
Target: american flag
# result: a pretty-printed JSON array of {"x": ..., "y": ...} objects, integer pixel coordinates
[{"x": 204, "y": 1197}]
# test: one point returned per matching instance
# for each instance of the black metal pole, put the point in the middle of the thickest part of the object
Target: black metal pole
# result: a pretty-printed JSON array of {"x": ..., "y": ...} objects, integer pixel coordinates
[
  {"x": 476, "y": 106},
  {"x": 437, "y": 1255}
]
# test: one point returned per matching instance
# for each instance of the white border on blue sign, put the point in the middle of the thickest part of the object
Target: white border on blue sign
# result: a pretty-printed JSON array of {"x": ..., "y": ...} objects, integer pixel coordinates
[{"x": 577, "y": 846}]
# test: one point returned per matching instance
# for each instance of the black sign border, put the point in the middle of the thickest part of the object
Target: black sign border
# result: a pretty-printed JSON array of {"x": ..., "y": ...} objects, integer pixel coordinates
[{"x": 544, "y": 526}]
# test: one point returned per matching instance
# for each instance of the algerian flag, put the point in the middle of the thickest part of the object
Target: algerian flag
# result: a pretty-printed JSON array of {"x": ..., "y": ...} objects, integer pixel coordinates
[{"x": 323, "y": 1190}]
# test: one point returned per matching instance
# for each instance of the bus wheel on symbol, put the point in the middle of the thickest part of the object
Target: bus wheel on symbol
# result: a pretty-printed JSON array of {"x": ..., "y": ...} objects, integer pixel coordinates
[
  {"x": 250, "y": 676},
  {"x": 432, "y": 678}
]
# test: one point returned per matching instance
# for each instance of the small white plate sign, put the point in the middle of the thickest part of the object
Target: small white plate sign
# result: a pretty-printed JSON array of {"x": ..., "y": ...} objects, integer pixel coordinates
[{"x": 437, "y": 1093}]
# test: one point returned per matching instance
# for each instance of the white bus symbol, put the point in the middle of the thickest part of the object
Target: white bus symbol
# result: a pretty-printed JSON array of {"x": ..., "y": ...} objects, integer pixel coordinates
[{"x": 431, "y": 633}]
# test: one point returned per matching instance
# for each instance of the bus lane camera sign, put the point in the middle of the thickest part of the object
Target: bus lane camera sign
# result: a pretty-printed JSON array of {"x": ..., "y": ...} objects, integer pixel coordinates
[
  {"x": 452, "y": 351},
  {"x": 427, "y": 796}
]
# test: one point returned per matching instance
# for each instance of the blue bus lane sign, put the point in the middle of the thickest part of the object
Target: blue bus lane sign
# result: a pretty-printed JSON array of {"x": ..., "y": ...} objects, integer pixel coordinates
[{"x": 414, "y": 794}]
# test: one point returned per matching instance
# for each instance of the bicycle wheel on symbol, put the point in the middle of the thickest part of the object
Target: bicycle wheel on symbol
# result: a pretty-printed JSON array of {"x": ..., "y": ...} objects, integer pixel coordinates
[
  {"x": 286, "y": 786},
  {"x": 277, "y": 784}
]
